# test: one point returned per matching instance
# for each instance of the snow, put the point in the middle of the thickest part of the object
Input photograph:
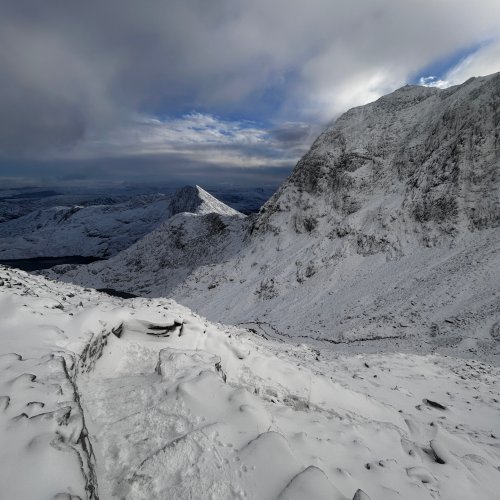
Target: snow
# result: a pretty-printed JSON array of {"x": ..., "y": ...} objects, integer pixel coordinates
[
  {"x": 175, "y": 406},
  {"x": 360, "y": 363},
  {"x": 162, "y": 254},
  {"x": 385, "y": 236},
  {"x": 99, "y": 230}
]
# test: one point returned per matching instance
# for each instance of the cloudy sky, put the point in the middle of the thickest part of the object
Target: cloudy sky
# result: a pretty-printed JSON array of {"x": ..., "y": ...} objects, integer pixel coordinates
[{"x": 211, "y": 91}]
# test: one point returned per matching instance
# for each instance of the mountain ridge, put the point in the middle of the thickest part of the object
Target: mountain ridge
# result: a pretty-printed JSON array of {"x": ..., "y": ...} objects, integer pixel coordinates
[
  {"x": 99, "y": 230},
  {"x": 385, "y": 233}
]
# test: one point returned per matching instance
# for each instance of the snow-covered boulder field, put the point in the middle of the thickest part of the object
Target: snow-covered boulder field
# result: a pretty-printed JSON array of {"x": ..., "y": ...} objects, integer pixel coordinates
[{"x": 108, "y": 398}]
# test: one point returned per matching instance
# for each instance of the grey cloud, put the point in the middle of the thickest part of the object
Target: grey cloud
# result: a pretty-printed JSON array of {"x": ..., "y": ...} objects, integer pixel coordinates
[
  {"x": 294, "y": 138},
  {"x": 72, "y": 73},
  {"x": 144, "y": 169},
  {"x": 292, "y": 133}
]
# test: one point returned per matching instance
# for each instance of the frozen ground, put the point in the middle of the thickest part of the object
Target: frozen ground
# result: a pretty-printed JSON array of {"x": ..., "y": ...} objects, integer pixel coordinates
[{"x": 141, "y": 398}]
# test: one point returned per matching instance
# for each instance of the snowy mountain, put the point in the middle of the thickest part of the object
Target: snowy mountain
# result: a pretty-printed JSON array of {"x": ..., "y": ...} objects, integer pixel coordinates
[
  {"x": 419, "y": 165},
  {"x": 166, "y": 256},
  {"x": 108, "y": 398},
  {"x": 384, "y": 236},
  {"x": 98, "y": 230},
  {"x": 15, "y": 203}
]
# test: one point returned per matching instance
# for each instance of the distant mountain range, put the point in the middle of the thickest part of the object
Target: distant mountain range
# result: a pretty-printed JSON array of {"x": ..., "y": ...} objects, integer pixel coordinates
[
  {"x": 17, "y": 202},
  {"x": 98, "y": 230}
]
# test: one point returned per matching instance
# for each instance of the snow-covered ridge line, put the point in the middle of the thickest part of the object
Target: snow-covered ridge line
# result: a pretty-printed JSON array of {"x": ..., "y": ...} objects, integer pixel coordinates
[
  {"x": 100, "y": 230},
  {"x": 167, "y": 255}
]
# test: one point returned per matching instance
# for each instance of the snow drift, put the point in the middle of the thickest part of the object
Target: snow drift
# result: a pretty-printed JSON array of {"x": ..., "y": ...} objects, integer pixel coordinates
[{"x": 107, "y": 398}]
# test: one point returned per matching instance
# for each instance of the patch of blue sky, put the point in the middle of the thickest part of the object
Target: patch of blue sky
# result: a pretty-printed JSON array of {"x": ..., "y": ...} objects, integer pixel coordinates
[
  {"x": 439, "y": 68},
  {"x": 260, "y": 108}
]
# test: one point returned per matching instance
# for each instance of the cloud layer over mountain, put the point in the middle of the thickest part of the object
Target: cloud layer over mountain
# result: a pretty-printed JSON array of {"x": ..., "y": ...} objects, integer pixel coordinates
[{"x": 226, "y": 83}]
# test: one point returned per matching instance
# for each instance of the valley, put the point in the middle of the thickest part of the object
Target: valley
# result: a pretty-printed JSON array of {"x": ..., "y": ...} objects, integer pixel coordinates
[{"x": 37, "y": 263}]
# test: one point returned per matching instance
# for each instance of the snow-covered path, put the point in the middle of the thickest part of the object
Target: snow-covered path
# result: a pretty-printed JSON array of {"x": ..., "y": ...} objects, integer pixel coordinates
[
  {"x": 109, "y": 398},
  {"x": 211, "y": 414}
]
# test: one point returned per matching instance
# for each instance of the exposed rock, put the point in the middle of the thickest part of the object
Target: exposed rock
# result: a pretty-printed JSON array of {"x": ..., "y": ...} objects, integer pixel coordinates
[
  {"x": 360, "y": 495},
  {"x": 434, "y": 404},
  {"x": 495, "y": 331}
]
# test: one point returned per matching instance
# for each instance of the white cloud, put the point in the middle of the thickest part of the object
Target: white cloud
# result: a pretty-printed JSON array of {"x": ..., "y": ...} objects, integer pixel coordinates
[
  {"x": 199, "y": 137},
  {"x": 482, "y": 62},
  {"x": 148, "y": 134},
  {"x": 432, "y": 81}
]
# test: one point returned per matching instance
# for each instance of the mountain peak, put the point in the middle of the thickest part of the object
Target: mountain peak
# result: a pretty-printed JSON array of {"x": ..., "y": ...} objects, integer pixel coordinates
[
  {"x": 419, "y": 164},
  {"x": 195, "y": 199}
]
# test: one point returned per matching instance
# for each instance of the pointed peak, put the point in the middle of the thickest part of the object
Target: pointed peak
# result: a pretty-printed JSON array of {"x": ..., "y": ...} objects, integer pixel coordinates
[
  {"x": 203, "y": 193},
  {"x": 195, "y": 199},
  {"x": 187, "y": 189}
]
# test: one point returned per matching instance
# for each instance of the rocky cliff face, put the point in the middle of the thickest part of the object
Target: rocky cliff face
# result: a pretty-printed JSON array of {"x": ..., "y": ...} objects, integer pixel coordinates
[
  {"x": 417, "y": 166},
  {"x": 385, "y": 233}
]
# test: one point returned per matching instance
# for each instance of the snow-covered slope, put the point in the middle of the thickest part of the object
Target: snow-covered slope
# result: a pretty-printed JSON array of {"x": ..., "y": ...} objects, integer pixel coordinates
[
  {"x": 388, "y": 227},
  {"x": 416, "y": 166},
  {"x": 384, "y": 236},
  {"x": 197, "y": 201},
  {"x": 204, "y": 231},
  {"x": 142, "y": 399},
  {"x": 165, "y": 257},
  {"x": 17, "y": 202},
  {"x": 100, "y": 230}
]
